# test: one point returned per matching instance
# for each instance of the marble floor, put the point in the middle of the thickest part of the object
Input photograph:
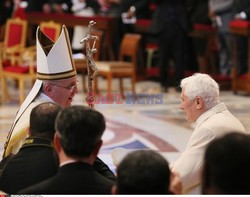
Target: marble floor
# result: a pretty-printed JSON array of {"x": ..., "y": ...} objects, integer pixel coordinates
[{"x": 154, "y": 121}]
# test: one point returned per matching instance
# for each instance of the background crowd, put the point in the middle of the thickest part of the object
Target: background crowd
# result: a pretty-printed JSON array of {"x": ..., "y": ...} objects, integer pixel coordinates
[{"x": 171, "y": 28}]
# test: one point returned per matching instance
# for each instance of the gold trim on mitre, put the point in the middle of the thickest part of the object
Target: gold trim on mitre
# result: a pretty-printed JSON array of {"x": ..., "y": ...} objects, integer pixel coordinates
[{"x": 54, "y": 60}]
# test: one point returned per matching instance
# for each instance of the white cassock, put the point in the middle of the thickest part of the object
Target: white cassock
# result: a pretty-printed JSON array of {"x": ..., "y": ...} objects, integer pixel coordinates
[{"x": 211, "y": 124}]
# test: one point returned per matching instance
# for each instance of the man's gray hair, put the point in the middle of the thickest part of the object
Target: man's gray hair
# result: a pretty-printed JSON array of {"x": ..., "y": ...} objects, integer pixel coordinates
[
  {"x": 48, "y": 82},
  {"x": 204, "y": 86}
]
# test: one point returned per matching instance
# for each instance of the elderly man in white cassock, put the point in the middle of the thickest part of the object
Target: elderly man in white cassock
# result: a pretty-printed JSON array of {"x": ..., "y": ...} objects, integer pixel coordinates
[{"x": 56, "y": 82}]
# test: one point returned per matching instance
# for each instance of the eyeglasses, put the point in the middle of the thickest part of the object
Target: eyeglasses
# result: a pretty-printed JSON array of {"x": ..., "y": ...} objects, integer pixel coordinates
[{"x": 70, "y": 87}]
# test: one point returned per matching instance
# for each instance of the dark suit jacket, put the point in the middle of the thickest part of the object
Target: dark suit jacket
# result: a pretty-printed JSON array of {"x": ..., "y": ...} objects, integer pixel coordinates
[
  {"x": 161, "y": 15},
  {"x": 61, "y": 2},
  {"x": 142, "y": 7},
  {"x": 34, "y": 162},
  {"x": 93, "y": 4},
  {"x": 198, "y": 11},
  {"x": 35, "y": 5},
  {"x": 73, "y": 178},
  {"x": 242, "y": 5},
  {"x": 5, "y": 11},
  {"x": 103, "y": 169}
]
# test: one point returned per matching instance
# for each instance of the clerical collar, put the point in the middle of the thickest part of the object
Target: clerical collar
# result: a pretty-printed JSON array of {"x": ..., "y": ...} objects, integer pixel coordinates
[{"x": 43, "y": 97}]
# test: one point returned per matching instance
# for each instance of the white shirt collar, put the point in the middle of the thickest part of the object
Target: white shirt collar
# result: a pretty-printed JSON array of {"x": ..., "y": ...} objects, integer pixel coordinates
[
  {"x": 68, "y": 161},
  {"x": 43, "y": 98}
]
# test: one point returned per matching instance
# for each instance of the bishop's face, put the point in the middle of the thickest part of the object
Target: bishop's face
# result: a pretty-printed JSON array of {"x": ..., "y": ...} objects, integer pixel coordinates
[{"x": 63, "y": 91}]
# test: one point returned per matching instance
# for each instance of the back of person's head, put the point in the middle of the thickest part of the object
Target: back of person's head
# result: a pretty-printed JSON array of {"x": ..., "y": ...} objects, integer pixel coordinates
[
  {"x": 143, "y": 172},
  {"x": 226, "y": 169},
  {"x": 79, "y": 129},
  {"x": 201, "y": 85},
  {"x": 42, "y": 120}
]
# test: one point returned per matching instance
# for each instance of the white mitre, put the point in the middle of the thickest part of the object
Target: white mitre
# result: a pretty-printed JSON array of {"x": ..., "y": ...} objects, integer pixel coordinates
[{"x": 54, "y": 62}]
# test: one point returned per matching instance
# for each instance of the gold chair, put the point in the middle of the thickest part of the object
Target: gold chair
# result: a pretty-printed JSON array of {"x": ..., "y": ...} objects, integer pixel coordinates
[
  {"x": 22, "y": 66},
  {"x": 51, "y": 29},
  {"x": 3, "y": 88},
  {"x": 12, "y": 63},
  {"x": 240, "y": 79},
  {"x": 125, "y": 67},
  {"x": 20, "y": 74},
  {"x": 14, "y": 40}
]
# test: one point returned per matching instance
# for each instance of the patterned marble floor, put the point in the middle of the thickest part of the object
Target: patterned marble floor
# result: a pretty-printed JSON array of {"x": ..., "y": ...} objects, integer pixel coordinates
[{"x": 140, "y": 124}]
